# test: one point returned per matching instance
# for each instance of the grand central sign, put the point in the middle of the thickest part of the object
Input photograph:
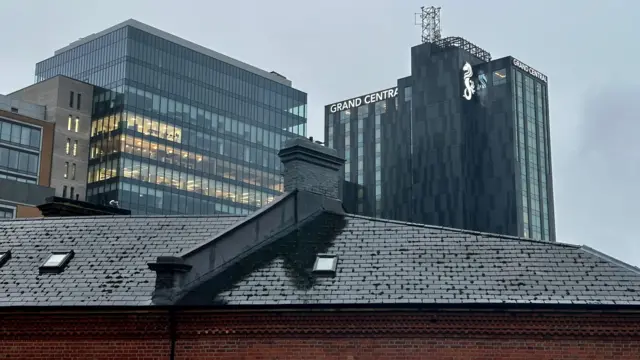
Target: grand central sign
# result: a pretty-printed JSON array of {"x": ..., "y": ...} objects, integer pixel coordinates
[
  {"x": 524, "y": 67},
  {"x": 366, "y": 99}
]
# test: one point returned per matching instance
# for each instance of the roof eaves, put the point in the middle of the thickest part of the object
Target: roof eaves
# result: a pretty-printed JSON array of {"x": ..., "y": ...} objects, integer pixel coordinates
[
  {"x": 445, "y": 307},
  {"x": 607, "y": 258}
]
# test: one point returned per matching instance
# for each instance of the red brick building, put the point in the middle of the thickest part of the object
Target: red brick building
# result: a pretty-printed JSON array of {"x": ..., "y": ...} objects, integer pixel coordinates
[
  {"x": 219, "y": 334},
  {"x": 301, "y": 279}
]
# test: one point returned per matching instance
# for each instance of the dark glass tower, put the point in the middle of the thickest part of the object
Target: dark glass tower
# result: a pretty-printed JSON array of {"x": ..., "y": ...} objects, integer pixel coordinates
[
  {"x": 464, "y": 144},
  {"x": 354, "y": 128},
  {"x": 178, "y": 128}
]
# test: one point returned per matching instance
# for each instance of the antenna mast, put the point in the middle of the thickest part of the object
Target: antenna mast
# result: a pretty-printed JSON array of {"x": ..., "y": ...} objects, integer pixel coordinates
[{"x": 430, "y": 23}]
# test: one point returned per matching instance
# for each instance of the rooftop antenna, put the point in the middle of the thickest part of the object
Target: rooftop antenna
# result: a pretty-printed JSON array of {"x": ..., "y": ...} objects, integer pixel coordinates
[{"x": 429, "y": 20}]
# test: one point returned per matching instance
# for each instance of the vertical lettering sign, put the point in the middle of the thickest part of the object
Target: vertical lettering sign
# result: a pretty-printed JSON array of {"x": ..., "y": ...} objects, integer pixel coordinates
[
  {"x": 366, "y": 99},
  {"x": 526, "y": 68}
]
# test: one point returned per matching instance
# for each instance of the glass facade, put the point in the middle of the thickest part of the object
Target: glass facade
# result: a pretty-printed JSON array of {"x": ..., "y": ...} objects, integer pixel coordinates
[
  {"x": 19, "y": 151},
  {"x": 532, "y": 153},
  {"x": 359, "y": 140},
  {"x": 346, "y": 148},
  {"x": 380, "y": 107},
  {"x": 175, "y": 131}
]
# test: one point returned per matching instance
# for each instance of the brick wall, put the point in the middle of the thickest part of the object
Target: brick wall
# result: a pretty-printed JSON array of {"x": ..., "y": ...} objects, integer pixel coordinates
[
  {"x": 403, "y": 348},
  {"x": 284, "y": 336},
  {"x": 89, "y": 336}
]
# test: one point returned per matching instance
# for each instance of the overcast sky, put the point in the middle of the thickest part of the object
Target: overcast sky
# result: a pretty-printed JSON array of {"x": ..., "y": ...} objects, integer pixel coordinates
[{"x": 336, "y": 49}]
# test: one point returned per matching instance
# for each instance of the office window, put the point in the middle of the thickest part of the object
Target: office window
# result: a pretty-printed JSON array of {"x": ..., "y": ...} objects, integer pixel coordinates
[
  {"x": 66, "y": 170},
  {"x": 499, "y": 77},
  {"x": 6, "y": 213},
  {"x": 71, "y": 193},
  {"x": 19, "y": 134},
  {"x": 77, "y": 124},
  {"x": 73, "y": 174},
  {"x": 71, "y": 95},
  {"x": 69, "y": 123},
  {"x": 408, "y": 93},
  {"x": 67, "y": 147},
  {"x": 78, "y": 101},
  {"x": 75, "y": 148},
  {"x": 64, "y": 191},
  {"x": 77, "y": 196}
]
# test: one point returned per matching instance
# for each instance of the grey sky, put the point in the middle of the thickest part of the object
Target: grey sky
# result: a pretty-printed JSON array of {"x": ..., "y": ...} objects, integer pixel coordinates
[{"x": 339, "y": 49}]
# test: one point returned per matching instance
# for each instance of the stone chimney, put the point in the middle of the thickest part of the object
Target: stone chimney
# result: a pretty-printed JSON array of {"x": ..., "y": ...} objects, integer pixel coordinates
[{"x": 312, "y": 167}]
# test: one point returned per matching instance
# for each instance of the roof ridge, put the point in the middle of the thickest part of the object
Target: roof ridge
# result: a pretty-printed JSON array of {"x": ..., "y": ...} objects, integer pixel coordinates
[
  {"x": 464, "y": 231},
  {"x": 76, "y": 218},
  {"x": 610, "y": 259}
]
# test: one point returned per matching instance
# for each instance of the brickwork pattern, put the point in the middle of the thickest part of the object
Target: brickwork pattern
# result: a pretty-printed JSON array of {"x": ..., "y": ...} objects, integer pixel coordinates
[
  {"x": 350, "y": 336},
  {"x": 311, "y": 167},
  {"x": 403, "y": 348},
  {"x": 301, "y": 175}
]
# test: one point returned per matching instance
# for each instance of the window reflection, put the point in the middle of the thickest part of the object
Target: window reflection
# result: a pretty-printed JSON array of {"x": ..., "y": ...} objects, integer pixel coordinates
[
  {"x": 20, "y": 135},
  {"x": 19, "y": 161}
]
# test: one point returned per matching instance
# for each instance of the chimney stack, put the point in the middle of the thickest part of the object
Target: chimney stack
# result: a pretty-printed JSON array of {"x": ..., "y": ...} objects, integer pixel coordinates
[{"x": 311, "y": 167}]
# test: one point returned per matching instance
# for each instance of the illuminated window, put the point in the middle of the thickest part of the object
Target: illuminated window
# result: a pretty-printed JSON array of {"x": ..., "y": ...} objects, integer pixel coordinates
[
  {"x": 66, "y": 148},
  {"x": 69, "y": 123},
  {"x": 77, "y": 124},
  {"x": 75, "y": 148},
  {"x": 500, "y": 77},
  {"x": 66, "y": 170}
]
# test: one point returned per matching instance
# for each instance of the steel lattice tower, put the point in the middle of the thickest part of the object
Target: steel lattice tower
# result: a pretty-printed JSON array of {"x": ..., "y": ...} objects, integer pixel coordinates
[{"x": 430, "y": 23}]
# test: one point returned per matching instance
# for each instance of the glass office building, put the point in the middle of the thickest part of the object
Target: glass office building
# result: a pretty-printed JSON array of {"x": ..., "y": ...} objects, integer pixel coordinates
[{"x": 177, "y": 128}]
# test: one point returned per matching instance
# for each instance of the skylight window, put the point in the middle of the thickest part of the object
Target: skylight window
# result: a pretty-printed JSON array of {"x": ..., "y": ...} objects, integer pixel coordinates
[
  {"x": 57, "y": 261},
  {"x": 4, "y": 257},
  {"x": 325, "y": 263}
]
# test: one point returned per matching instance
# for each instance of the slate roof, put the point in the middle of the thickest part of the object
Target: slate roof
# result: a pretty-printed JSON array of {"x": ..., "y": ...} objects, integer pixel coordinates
[
  {"x": 379, "y": 261},
  {"x": 111, "y": 256}
]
